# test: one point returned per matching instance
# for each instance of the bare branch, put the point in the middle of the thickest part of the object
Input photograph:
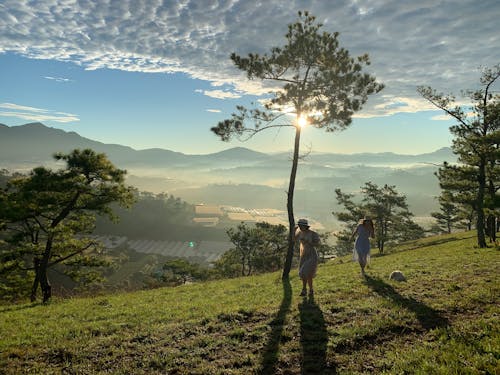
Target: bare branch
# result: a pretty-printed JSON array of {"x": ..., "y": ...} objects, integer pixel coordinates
[
  {"x": 255, "y": 131},
  {"x": 79, "y": 251}
]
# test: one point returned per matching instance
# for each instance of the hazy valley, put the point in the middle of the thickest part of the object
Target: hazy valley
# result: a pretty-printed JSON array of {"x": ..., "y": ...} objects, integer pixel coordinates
[{"x": 239, "y": 176}]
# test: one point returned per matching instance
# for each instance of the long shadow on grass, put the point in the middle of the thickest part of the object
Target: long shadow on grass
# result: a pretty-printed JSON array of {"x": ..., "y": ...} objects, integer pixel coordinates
[
  {"x": 313, "y": 339},
  {"x": 270, "y": 355},
  {"x": 427, "y": 316},
  {"x": 19, "y": 307}
]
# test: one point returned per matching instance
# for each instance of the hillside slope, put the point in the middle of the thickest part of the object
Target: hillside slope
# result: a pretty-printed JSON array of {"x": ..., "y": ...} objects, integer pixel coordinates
[{"x": 444, "y": 319}]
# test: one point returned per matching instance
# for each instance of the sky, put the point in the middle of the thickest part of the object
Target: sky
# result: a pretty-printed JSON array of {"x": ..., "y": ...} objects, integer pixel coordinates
[{"x": 157, "y": 74}]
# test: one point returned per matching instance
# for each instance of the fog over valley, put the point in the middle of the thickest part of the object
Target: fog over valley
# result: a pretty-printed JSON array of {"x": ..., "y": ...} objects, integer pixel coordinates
[{"x": 240, "y": 177}]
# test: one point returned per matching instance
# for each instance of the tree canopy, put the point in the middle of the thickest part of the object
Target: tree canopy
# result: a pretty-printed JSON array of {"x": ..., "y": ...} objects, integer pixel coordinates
[
  {"x": 477, "y": 144},
  {"x": 47, "y": 213},
  {"x": 388, "y": 210},
  {"x": 315, "y": 81}
]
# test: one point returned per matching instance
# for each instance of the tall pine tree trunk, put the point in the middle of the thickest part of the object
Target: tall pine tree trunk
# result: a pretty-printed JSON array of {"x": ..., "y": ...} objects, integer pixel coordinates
[
  {"x": 492, "y": 225},
  {"x": 491, "y": 228},
  {"x": 34, "y": 288},
  {"x": 481, "y": 240},
  {"x": 289, "y": 206},
  {"x": 42, "y": 273}
]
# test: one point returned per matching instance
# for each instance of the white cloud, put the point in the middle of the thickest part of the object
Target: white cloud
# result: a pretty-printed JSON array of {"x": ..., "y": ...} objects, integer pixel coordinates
[
  {"x": 219, "y": 94},
  {"x": 58, "y": 79},
  {"x": 21, "y": 107},
  {"x": 389, "y": 105},
  {"x": 442, "y": 118},
  {"x": 36, "y": 114},
  {"x": 214, "y": 110},
  {"x": 39, "y": 117},
  {"x": 410, "y": 43}
]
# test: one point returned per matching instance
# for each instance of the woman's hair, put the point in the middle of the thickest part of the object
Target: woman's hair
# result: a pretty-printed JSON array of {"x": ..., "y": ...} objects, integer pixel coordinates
[{"x": 370, "y": 222}]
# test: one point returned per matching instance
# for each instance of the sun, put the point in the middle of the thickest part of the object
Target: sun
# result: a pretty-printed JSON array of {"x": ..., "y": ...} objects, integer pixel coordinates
[{"x": 302, "y": 121}]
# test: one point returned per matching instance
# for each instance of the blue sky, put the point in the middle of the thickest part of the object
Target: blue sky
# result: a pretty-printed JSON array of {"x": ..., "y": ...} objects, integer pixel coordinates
[{"x": 147, "y": 73}]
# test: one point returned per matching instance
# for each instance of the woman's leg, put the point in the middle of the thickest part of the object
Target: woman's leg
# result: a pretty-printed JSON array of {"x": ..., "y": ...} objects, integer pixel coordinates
[
  {"x": 310, "y": 283},
  {"x": 362, "y": 263},
  {"x": 304, "y": 290}
]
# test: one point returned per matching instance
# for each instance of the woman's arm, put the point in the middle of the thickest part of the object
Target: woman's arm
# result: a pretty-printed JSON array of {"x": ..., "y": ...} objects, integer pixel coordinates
[
  {"x": 296, "y": 234},
  {"x": 354, "y": 233},
  {"x": 315, "y": 239}
]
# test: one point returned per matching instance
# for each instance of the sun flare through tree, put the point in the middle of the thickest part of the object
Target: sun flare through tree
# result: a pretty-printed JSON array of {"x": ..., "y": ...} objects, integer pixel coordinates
[{"x": 317, "y": 83}]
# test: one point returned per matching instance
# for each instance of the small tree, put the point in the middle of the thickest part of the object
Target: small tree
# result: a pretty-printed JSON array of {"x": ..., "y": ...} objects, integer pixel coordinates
[
  {"x": 318, "y": 83},
  {"x": 457, "y": 182},
  {"x": 180, "y": 271},
  {"x": 388, "y": 209},
  {"x": 269, "y": 257},
  {"x": 46, "y": 213},
  {"x": 477, "y": 137},
  {"x": 258, "y": 248},
  {"x": 353, "y": 212},
  {"x": 449, "y": 214},
  {"x": 246, "y": 240},
  {"x": 324, "y": 249}
]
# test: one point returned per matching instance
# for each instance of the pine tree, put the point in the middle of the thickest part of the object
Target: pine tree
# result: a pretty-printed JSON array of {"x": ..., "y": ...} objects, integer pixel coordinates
[
  {"x": 476, "y": 139},
  {"x": 386, "y": 207},
  {"x": 320, "y": 84},
  {"x": 47, "y": 214}
]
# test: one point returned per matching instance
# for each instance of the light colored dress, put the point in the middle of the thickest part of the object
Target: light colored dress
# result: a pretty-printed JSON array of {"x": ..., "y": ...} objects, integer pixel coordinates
[
  {"x": 308, "y": 256},
  {"x": 362, "y": 244}
]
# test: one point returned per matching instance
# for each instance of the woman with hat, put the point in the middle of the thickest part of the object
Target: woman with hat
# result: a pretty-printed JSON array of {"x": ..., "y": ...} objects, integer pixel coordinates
[
  {"x": 308, "y": 264},
  {"x": 364, "y": 231}
]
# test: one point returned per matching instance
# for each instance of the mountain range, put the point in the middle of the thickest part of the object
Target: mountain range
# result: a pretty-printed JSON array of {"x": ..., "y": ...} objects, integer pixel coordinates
[
  {"x": 42, "y": 141},
  {"x": 238, "y": 176}
]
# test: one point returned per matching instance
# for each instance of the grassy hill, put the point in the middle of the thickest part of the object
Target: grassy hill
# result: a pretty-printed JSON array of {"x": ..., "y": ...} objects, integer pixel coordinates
[{"x": 444, "y": 320}]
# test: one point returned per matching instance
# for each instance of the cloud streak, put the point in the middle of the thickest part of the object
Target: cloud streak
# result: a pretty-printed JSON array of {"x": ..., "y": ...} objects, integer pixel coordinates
[
  {"x": 437, "y": 43},
  {"x": 219, "y": 94},
  {"x": 35, "y": 114},
  {"x": 58, "y": 79}
]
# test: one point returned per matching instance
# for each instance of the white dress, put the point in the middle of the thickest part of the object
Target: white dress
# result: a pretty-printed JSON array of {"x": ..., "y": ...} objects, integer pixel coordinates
[
  {"x": 308, "y": 256},
  {"x": 362, "y": 244}
]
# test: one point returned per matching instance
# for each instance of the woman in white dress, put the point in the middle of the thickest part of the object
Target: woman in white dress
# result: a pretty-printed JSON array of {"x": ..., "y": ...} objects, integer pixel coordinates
[
  {"x": 364, "y": 230},
  {"x": 308, "y": 264}
]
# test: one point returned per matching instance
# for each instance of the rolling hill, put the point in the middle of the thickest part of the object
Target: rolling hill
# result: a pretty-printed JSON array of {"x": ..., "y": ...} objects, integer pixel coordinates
[{"x": 442, "y": 320}]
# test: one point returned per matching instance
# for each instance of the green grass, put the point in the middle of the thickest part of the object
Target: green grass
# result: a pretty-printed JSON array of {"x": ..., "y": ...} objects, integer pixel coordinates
[{"x": 443, "y": 320}]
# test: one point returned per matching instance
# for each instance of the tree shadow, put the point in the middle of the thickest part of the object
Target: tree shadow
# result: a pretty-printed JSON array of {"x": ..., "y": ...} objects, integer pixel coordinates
[
  {"x": 428, "y": 317},
  {"x": 313, "y": 339},
  {"x": 270, "y": 356},
  {"x": 436, "y": 242},
  {"x": 15, "y": 307}
]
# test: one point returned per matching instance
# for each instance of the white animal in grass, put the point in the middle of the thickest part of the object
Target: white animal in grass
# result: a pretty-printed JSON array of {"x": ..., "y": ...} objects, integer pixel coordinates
[{"x": 397, "y": 276}]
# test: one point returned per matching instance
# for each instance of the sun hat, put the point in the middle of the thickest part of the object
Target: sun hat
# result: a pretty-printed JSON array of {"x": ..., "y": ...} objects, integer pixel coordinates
[{"x": 303, "y": 222}]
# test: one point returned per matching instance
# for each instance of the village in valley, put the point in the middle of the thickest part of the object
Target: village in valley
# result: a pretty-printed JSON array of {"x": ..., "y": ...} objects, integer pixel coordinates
[{"x": 203, "y": 251}]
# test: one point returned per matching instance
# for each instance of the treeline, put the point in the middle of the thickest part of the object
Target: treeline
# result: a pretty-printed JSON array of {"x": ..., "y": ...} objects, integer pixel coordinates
[
  {"x": 258, "y": 248},
  {"x": 470, "y": 189},
  {"x": 157, "y": 217},
  {"x": 46, "y": 217}
]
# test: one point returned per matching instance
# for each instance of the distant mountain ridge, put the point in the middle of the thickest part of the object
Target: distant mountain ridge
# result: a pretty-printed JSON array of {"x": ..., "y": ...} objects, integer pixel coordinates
[
  {"x": 238, "y": 176},
  {"x": 35, "y": 143}
]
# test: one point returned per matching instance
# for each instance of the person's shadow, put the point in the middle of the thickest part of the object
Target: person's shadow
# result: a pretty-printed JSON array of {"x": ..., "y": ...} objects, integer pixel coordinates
[
  {"x": 427, "y": 316},
  {"x": 313, "y": 339},
  {"x": 270, "y": 355}
]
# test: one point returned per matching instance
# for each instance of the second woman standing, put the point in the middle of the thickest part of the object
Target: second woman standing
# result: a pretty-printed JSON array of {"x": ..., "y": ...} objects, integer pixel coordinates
[{"x": 364, "y": 231}]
